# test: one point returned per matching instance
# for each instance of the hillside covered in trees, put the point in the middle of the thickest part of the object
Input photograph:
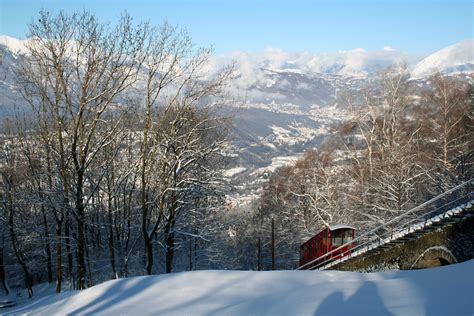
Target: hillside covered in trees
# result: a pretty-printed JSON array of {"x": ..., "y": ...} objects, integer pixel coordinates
[{"x": 402, "y": 146}]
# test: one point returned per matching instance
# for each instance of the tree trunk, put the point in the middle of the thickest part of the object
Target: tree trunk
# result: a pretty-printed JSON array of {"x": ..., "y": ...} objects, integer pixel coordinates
[
  {"x": 273, "y": 244},
  {"x": 259, "y": 254},
  {"x": 190, "y": 254},
  {"x": 111, "y": 237},
  {"x": 67, "y": 233},
  {"x": 59, "y": 268},
  {"x": 81, "y": 244},
  {"x": 2, "y": 267},
  {"x": 169, "y": 235},
  {"x": 149, "y": 253},
  {"x": 88, "y": 257},
  {"x": 47, "y": 246},
  {"x": 18, "y": 253},
  {"x": 169, "y": 252}
]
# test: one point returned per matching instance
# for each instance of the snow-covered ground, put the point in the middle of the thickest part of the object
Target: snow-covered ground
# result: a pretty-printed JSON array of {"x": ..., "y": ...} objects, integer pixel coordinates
[
  {"x": 277, "y": 162},
  {"x": 439, "y": 291},
  {"x": 233, "y": 171}
]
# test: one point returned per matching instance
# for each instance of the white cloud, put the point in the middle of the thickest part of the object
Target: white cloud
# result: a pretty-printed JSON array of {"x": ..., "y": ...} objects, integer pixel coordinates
[{"x": 355, "y": 62}]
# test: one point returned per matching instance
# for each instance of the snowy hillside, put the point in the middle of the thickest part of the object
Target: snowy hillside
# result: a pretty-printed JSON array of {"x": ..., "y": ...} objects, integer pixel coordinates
[
  {"x": 452, "y": 59},
  {"x": 438, "y": 291},
  {"x": 10, "y": 50}
]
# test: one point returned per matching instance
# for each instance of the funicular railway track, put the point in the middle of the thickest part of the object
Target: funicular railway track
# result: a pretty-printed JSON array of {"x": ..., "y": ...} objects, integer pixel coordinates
[{"x": 447, "y": 208}]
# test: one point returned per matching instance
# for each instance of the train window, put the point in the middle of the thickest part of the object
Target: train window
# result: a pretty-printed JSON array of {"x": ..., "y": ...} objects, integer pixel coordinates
[
  {"x": 337, "y": 238},
  {"x": 347, "y": 236}
]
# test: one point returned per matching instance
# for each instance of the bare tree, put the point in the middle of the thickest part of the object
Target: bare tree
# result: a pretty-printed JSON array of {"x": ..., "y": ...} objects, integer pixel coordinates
[
  {"x": 448, "y": 115},
  {"x": 78, "y": 67},
  {"x": 175, "y": 82},
  {"x": 13, "y": 180}
]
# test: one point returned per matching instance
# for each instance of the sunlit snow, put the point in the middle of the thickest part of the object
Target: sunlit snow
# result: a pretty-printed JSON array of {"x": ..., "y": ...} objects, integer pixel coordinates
[{"x": 438, "y": 291}]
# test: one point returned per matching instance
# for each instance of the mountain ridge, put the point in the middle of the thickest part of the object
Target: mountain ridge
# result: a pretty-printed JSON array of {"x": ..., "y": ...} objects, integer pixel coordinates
[{"x": 357, "y": 63}]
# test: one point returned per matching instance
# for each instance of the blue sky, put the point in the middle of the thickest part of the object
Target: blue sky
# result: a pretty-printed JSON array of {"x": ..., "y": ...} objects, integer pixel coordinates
[{"x": 414, "y": 26}]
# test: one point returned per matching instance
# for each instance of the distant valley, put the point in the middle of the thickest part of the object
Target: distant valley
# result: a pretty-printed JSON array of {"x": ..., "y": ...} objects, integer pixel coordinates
[{"x": 286, "y": 102}]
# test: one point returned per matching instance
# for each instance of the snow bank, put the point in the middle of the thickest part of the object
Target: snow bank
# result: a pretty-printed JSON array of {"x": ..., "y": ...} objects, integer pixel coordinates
[{"x": 439, "y": 291}]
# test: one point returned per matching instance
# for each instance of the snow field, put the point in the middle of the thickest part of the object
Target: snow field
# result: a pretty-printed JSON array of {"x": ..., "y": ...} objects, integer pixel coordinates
[{"x": 438, "y": 291}]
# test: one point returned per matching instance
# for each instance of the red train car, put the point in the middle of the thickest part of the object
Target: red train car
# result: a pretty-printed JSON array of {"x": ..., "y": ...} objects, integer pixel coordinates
[{"x": 325, "y": 241}]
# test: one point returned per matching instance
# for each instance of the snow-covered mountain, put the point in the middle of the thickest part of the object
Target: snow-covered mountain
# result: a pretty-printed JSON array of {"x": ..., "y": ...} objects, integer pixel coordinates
[
  {"x": 14, "y": 45},
  {"x": 450, "y": 60},
  {"x": 10, "y": 51},
  {"x": 353, "y": 63},
  {"x": 359, "y": 63}
]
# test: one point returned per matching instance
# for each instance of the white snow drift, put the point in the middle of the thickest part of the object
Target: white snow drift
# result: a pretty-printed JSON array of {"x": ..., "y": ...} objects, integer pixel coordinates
[{"x": 439, "y": 291}]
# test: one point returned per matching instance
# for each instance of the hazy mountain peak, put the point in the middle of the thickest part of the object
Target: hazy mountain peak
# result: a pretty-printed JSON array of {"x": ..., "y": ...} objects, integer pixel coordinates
[
  {"x": 454, "y": 58},
  {"x": 14, "y": 45}
]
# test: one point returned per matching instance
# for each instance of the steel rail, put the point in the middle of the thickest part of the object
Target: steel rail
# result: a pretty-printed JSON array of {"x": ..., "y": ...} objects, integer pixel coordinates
[{"x": 372, "y": 239}]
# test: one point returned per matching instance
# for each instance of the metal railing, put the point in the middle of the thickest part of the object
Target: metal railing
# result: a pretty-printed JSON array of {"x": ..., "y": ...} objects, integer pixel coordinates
[{"x": 442, "y": 206}]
